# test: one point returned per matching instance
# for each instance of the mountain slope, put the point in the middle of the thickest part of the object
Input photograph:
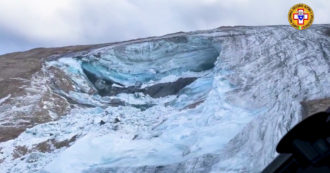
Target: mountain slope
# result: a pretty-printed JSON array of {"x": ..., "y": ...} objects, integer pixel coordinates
[{"x": 204, "y": 101}]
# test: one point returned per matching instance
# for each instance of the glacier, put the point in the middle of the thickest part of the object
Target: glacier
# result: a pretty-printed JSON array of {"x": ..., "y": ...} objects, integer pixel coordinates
[{"x": 206, "y": 101}]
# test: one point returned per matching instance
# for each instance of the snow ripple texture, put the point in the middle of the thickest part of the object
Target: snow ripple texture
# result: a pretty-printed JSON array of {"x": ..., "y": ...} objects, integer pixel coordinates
[{"x": 249, "y": 84}]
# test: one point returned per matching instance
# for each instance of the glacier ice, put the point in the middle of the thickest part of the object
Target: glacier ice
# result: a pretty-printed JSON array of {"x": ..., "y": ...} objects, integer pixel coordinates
[
  {"x": 179, "y": 133},
  {"x": 247, "y": 86}
]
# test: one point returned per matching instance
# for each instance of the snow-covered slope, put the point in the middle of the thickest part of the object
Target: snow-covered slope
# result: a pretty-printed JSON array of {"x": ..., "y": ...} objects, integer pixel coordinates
[{"x": 205, "y": 101}]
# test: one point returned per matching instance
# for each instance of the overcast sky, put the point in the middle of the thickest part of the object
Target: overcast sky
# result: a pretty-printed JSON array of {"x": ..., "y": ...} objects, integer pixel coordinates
[{"x": 26, "y": 24}]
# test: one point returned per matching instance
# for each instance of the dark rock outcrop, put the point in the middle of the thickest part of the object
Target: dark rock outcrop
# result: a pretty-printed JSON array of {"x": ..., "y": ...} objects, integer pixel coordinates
[
  {"x": 108, "y": 87},
  {"x": 170, "y": 88}
]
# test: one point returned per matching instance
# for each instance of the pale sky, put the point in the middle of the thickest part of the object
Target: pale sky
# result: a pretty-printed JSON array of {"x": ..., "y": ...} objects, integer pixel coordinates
[{"x": 26, "y": 24}]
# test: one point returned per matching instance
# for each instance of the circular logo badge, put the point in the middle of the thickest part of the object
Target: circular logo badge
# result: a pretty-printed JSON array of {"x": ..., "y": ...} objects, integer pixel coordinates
[{"x": 301, "y": 16}]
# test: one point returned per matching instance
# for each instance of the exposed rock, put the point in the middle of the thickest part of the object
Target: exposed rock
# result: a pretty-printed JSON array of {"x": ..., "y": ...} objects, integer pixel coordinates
[
  {"x": 50, "y": 102},
  {"x": 43, "y": 147},
  {"x": 117, "y": 102},
  {"x": 65, "y": 143},
  {"x": 10, "y": 132},
  {"x": 20, "y": 151},
  {"x": 102, "y": 122},
  {"x": 60, "y": 80},
  {"x": 171, "y": 88},
  {"x": 117, "y": 120}
]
